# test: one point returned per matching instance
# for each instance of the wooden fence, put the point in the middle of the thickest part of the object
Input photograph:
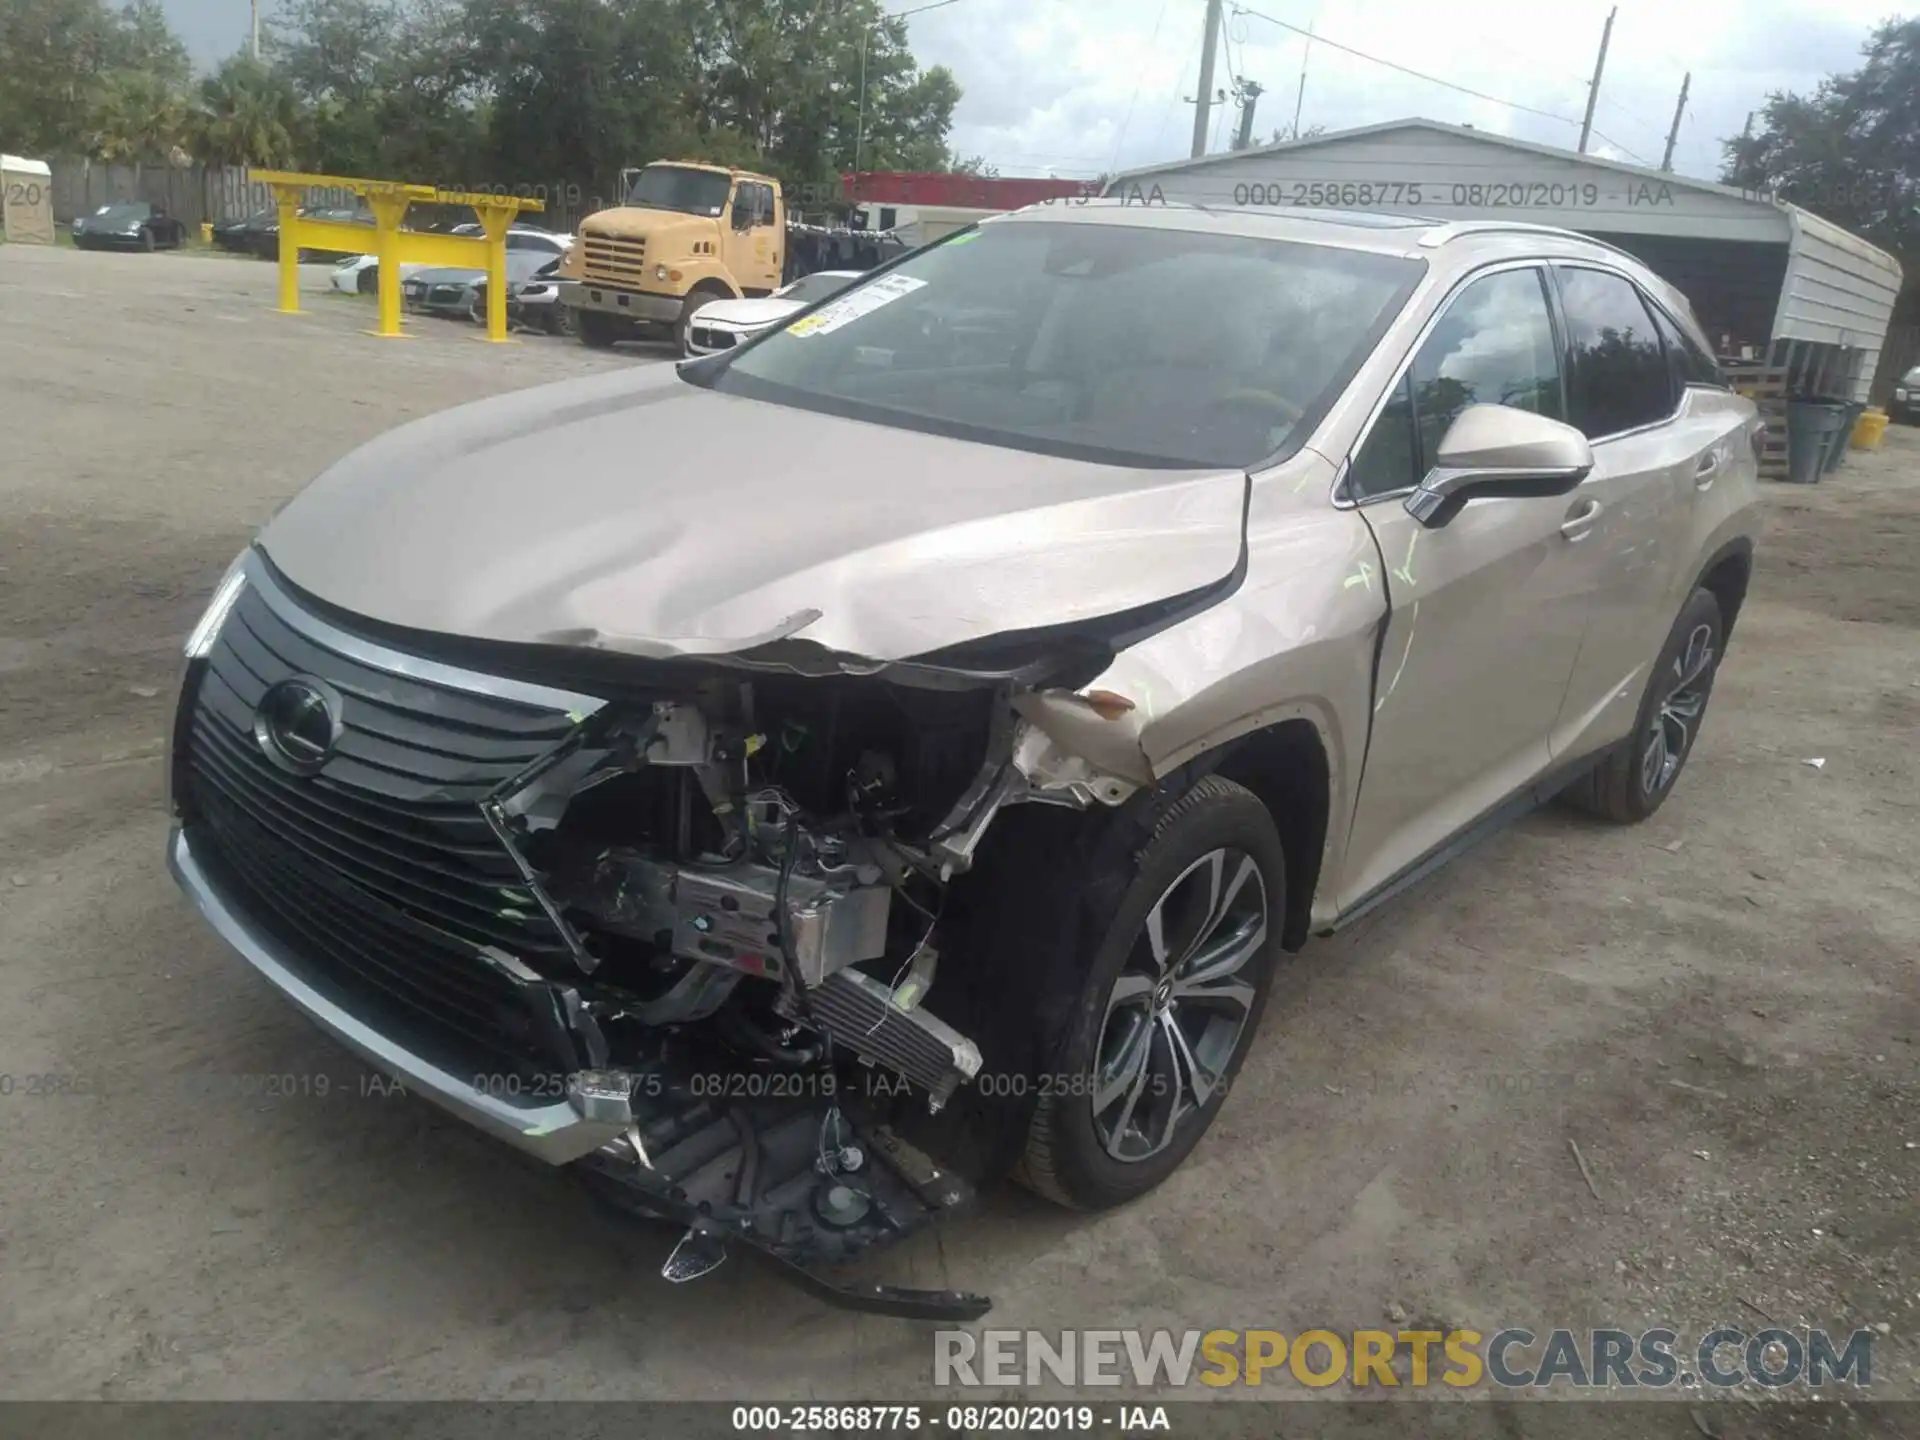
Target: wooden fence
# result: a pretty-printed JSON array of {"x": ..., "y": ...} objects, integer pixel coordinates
[{"x": 191, "y": 193}]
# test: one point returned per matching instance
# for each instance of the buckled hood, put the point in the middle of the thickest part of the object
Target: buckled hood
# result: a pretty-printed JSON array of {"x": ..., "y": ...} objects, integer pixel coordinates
[{"x": 637, "y": 512}]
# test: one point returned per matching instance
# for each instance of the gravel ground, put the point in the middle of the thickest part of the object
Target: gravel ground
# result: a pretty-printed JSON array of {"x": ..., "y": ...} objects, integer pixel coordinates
[{"x": 1717, "y": 1007}]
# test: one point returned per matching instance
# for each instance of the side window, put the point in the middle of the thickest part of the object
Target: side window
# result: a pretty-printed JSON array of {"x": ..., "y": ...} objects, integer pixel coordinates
[
  {"x": 1690, "y": 364},
  {"x": 1385, "y": 461},
  {"x": 888, "y": 217},
  {"x": 1620, "y": 379},
  {"x": 762, "y": 204},
  {"x": 1494, "y": 345}
]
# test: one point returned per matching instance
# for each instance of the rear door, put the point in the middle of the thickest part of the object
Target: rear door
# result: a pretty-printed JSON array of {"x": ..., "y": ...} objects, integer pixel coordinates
[
  {"x": 1631, "y": 378},
  {"x": 1487, "y": 611}
]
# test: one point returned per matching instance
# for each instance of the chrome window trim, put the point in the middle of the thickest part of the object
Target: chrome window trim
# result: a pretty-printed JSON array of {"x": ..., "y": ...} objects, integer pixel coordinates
[
  {"x": 431, "y": 672},
  {"x": 1338, "y": 496}
]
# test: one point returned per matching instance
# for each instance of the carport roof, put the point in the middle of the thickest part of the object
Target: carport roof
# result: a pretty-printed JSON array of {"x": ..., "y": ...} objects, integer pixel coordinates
[{"x": 1464, "y": 132}]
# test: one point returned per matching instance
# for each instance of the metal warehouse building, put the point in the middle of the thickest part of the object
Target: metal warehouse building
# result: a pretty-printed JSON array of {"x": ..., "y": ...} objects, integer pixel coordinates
[{"x": 1803, "y": 302}]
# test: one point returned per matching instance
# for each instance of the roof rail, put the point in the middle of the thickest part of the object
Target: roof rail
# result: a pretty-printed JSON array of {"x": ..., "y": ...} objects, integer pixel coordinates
[{"x": 1455, "y": 229}]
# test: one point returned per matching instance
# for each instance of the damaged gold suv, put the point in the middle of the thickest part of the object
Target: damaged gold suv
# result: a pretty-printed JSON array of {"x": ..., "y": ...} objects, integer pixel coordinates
[{"x": 798, "y": 788}]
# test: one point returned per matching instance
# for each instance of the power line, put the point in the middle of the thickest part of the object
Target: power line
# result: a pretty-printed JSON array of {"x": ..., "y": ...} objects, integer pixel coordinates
[
  {"x": 1139, "y": 82},
  {"x": 919, "y": 11},
  {"x": 1404, "y": 70}
]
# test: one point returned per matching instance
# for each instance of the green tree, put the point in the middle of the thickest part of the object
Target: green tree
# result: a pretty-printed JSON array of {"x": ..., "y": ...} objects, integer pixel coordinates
[
  {"x": 1851, "y": 150},
  {"x": 134, "y": 115},
  {"x": 61, "y": 60},
  {"x": 247, "y": 114}
]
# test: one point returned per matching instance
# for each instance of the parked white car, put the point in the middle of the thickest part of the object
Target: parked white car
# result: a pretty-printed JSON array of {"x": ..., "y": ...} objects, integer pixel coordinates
[
  {"x": 360, "y": 274},
  {"x": 727, "y": 323}
]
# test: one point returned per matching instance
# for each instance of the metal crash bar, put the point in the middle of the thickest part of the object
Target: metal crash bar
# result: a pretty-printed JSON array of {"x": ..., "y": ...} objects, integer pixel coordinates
[{"x": 389, "y": 199}]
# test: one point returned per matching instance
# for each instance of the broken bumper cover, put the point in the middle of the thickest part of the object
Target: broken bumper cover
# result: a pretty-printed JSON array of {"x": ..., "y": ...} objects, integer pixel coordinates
[
  {"x": 730, "y": 1171},
  {"x": 553, "y": 1132}
]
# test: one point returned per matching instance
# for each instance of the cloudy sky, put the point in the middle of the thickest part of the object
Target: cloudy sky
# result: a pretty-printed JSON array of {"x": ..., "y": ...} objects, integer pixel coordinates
[{"x": 1076, "y": 87}]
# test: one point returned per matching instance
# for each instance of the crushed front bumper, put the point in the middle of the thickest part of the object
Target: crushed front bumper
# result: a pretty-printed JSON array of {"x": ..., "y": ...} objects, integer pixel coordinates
[
  {"x": 553, "y": 1132},
  {"x": 731, "y": 1162}
]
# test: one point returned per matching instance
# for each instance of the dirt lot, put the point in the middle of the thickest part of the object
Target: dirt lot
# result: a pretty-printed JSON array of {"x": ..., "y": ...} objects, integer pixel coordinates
[{"x": 1719, "y": 1007}]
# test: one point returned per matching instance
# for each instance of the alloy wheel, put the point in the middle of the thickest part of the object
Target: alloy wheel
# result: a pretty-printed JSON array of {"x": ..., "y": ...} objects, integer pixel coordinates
[
  {"x": 1179, "y": 1006},
  {"x": 1676, "y": 718}
]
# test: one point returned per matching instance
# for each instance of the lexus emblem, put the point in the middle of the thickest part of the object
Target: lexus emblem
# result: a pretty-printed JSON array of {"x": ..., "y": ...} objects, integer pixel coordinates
[{"x": 298, "y": 723}]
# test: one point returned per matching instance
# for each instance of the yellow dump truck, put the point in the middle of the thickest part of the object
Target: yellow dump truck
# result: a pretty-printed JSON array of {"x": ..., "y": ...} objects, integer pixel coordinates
[{"x": 687, "y": 235}]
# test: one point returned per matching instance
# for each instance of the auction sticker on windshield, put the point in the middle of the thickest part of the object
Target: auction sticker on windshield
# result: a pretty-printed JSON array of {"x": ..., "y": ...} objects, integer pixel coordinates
[{"x": 868, "y": 298}]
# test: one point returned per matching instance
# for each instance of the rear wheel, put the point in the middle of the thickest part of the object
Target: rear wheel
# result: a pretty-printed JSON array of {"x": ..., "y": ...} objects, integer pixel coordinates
[
  {"x": 1636, "y": 779},
  {"x": 1167, "y": 1005}
]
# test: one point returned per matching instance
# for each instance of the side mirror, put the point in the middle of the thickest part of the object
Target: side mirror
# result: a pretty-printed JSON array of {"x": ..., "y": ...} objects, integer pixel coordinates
[{"x": 1498, "y": 450}]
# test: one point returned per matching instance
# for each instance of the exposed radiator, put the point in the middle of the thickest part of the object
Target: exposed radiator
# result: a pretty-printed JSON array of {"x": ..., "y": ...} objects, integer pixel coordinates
[{"x": 858, "y": 1012}]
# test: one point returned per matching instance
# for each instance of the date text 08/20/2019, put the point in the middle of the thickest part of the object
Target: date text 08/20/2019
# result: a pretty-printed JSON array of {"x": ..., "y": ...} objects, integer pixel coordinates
[{"x": 1490, "y": 195}]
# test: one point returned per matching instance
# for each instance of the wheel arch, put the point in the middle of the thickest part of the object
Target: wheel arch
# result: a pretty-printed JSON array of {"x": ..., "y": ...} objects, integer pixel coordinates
[
  {"x": 1726, "y": 575},
  {"x": 1286, "y": 767}
]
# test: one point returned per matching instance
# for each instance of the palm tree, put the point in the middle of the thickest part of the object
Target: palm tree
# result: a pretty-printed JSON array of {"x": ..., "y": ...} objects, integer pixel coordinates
[
  {"x": 246, "y": 115},
  {"x": 135, "y": 116}
]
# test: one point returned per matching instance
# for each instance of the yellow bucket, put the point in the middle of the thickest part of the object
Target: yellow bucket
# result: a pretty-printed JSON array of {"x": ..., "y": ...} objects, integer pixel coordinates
[
  {"x": 206, "y": 232},
  {"x": 1869, "y": 429}
]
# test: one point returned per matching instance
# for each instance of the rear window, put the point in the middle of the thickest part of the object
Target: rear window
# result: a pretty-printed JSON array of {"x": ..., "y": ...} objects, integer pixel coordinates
[
  {"x": 1133, "y": 344},
  {"x": 1619, "y": 380}
]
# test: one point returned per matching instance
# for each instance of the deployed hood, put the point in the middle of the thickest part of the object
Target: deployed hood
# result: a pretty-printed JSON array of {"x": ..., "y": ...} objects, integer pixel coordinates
[
  {"x": 637, "y": 512},
  {"x": 749, "y": 313}
]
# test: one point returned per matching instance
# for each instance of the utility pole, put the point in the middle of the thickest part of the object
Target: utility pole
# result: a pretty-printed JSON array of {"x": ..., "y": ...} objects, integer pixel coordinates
[
  {"x": 1250, "y": 91},
  {"x": 1593, "y": 90},
  {"x": 256, "y": 31},
  {"x": 1300, "y": 95},
  {"x": 1666, "y": 160},
  {"x": 1203, "y": 97}
]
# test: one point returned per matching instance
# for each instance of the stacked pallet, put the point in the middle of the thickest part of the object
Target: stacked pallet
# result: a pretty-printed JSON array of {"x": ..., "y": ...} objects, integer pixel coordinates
[{"x": 1766, "y": 386}]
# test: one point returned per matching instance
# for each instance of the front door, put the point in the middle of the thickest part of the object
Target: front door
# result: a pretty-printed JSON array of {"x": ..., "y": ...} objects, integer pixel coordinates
[{"x": 1487, "y": 611}]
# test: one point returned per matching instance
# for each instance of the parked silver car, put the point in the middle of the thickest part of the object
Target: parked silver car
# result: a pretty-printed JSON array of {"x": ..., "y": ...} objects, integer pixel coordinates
[{"x": 899, "y": 752}]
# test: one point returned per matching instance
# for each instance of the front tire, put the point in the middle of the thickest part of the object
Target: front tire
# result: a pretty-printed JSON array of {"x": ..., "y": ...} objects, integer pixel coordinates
[
  {"x": 600, "y": 332},
  {"x": 1636, "y": 779},
  {"x": 1167, "y": 1006}
]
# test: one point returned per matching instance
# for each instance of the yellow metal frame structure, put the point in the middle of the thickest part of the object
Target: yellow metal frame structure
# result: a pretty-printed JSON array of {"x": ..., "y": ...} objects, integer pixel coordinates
[{"x": 388, "y": 200}]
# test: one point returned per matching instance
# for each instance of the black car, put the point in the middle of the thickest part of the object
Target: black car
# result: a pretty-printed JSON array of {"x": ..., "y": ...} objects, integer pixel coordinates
[
  {"x": 242, "y": 235},
  {"x": 1904, "y": 407},
  {"x": 128, "y": 225},
  {"x": 266, "y": 239}
]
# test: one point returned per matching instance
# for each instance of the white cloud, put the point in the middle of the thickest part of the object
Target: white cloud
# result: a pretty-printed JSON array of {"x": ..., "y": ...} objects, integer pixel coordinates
[{"x": 1081, "y": 86}]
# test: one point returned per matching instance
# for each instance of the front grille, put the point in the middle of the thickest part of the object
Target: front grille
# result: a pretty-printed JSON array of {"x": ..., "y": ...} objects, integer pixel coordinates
[
  {"x": 445, "y": 294},
  {"x": 622, "y": 262},
  {"x": 713, "y": 339},
  {"x": 379, "y": 872}
]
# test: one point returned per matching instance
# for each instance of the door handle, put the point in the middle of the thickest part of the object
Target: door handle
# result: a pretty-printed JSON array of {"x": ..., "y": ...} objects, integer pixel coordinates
[
  {"x": 1706, "y": 468},
  {"x": 1580, "y": 520}
]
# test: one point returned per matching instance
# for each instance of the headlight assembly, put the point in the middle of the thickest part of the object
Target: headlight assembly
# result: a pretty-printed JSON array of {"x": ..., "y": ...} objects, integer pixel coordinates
[{"x": 200, "y": 639}]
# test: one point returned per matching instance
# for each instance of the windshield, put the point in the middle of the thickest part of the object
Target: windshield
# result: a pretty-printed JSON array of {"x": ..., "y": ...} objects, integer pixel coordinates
[
  {"x": 692, "y": 192},
  {"x": 123, "y": 212},
  {"x": 811, "y": 288},
  {"x": 1145, "y": 345}
]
